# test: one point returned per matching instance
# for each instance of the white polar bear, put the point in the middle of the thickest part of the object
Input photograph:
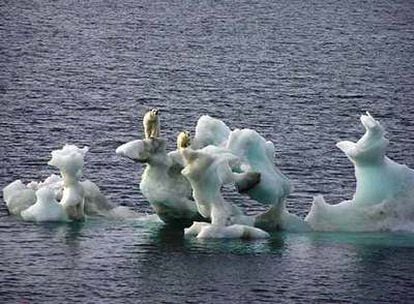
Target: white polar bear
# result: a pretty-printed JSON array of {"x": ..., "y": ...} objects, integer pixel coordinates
[
  {"x": 152, "y": 124},
  {"x": 183, "y": 140}
]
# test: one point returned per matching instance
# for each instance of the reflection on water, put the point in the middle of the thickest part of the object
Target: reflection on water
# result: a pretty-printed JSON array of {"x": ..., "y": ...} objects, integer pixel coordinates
[
  {"x": 166, "y": 238},
  {"x": 148, "y": 261},
  {"x": 365, "y": 239}
]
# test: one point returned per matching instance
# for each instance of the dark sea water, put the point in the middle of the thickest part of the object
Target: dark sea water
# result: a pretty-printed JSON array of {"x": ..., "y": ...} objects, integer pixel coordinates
[{"x": 299, "y": 72}]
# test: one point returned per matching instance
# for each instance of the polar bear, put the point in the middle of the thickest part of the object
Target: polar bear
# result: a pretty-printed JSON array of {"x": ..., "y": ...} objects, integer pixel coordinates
[
  {"x": 183, "y": 140},
  {"x": 152, "y": 124}
]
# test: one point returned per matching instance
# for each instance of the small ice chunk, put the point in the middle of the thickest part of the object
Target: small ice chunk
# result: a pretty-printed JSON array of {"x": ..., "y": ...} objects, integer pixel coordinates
[{"x": 46, "y": 208}]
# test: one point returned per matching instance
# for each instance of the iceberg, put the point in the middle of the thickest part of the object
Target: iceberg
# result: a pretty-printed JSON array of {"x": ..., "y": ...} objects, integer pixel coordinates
[
  {"x": 69, "y": 160},
  {"x": 162, "y": 183},
  {"x": 184, "y": 186},
  {"x": 207, "y": 173},
  {"x": 252, "y": 154},
  {"x": 46, "y": 200},
  {"x": 257, "y": 155},
  {"x": 218, "y": 156},
  {"x": 384, "y": 195}
]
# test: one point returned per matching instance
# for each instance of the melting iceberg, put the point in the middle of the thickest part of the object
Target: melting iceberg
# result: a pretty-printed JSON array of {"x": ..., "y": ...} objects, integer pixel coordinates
[
  {"x": 253, "y": 154},
  {"x": 61, "y": 198},
  {"x": 207, "y": 173},
  {"x": 70, "y": 160},
  {"x": 184, "y": 186},
  {"x": 384, "y": 195},
  {"x": 162, "y": 183}
]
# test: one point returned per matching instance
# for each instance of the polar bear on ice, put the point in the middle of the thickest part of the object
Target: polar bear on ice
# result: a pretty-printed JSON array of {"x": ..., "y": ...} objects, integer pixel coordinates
[{"x": 152, "y": 124}]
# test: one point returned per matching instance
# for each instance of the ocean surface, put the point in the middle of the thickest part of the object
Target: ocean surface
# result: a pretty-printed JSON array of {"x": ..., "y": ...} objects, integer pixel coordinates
[{"x": 299, "y": 72}]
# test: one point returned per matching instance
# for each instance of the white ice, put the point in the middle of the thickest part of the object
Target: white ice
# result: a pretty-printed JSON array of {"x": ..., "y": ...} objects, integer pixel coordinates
[
  {"x": 77, "y": 198},
  {"x": 168, "y": 192},
  {"x": 69, "y": 160},
  {"x": 202, "y": 230},
  {"x": 18, "y": 197},
  {"x": 240, "y": 157},
  {"x": 184, "y": 186},
  {"x": 210, "y": 131},
  {"x": 254, "y": 154},
  {"x": 207, "y": 173},
  {"x": 384, "y": 195},
  {"x": 46, "y": 208}
]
